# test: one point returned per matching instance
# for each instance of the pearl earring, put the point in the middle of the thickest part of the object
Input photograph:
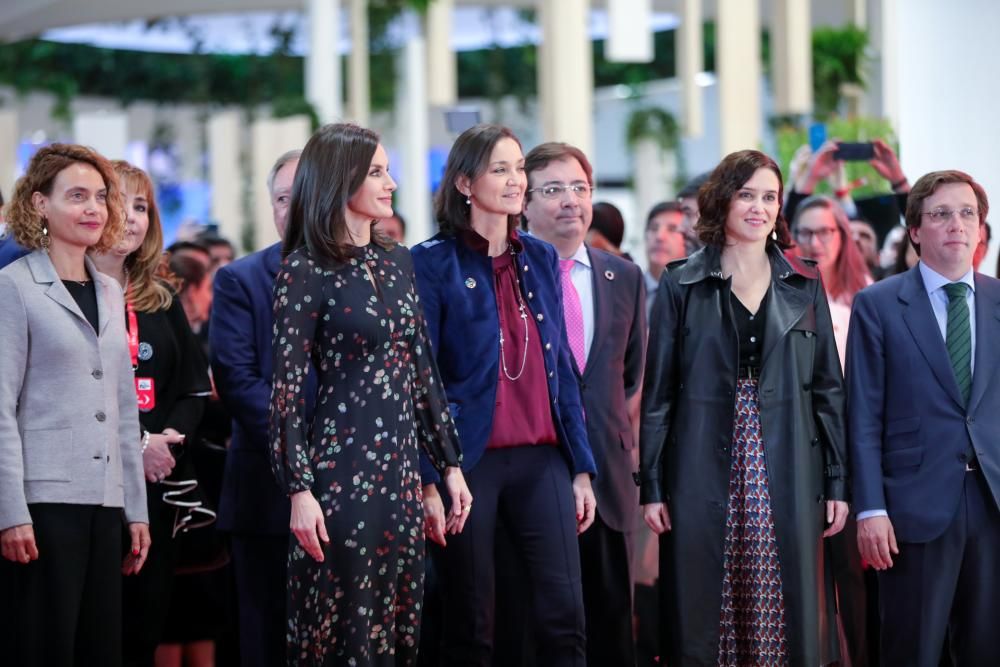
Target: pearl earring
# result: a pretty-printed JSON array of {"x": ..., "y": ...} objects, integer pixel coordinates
[{"x": 468, "y": 201}]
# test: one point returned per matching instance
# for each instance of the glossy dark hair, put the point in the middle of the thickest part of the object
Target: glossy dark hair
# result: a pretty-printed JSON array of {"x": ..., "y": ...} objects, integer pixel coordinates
[
  {"x": 716, "y": 196},
  {"x": 469, "y": 157},
  {"x": 332, "y": 167},
  {"x": 927, "y": 185},
  {"x": 663, "y": 207}
]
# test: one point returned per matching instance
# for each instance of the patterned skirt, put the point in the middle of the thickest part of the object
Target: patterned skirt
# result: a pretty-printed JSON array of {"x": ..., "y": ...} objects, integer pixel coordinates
[{"x": 752, "y": 620}]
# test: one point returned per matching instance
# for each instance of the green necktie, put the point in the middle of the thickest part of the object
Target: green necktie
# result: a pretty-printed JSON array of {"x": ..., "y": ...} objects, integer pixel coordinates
[{"x": 958, "y": 338}]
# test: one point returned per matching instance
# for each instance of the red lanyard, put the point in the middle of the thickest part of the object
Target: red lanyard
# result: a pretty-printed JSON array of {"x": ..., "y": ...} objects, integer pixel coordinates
[{"x": 133, "y": 334}]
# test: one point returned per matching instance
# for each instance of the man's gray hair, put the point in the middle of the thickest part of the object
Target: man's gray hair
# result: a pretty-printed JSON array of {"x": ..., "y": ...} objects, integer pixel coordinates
[{"x": 285, "y": 158}]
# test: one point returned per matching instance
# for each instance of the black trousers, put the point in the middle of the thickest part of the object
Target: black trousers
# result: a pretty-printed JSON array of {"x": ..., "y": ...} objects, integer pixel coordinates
[
  {"x": 260, "y": 567},
  {"x": 146, "y": 596},
  {"x": 64, "y": 609},
  {"x": 948, "y": 587},
  {"x": 606, "y": 563},
  {"x": 531, "y": 489}
]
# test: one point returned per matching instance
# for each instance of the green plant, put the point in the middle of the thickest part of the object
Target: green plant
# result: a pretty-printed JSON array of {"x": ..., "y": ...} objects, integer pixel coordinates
[
  {"x": 838, "y": 58},
  {"x": 652, "y": 123}
]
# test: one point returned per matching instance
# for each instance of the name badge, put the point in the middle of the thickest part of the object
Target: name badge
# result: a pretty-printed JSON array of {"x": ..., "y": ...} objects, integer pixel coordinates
[{"x": 146, "y": 394}]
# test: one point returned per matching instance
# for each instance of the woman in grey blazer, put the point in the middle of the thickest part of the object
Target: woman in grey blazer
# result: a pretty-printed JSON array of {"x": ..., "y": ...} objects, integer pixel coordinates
[{"x": 70, "y": 459}]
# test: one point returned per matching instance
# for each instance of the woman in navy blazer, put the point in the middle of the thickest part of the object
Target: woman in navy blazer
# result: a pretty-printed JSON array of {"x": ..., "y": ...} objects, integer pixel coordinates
[
  {"x": 493, "y": 305},
  {"x": 70, "y": 460}
]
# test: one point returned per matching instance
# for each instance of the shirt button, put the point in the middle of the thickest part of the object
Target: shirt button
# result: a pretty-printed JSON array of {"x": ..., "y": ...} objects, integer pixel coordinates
[
  {"x": 540, "y": 317},
  {"x": 100, "y": 416},
  {"x": 751, "y": 317},
  {"x": 753, "y": 339},
  {"x": 525, "y": 267},
  {"x": 98, "y": 373},
  {"x": 531, "y": 295}
]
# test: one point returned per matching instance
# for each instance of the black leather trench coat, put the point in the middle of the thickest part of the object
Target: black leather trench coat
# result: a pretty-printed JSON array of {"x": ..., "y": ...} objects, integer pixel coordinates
[{"x": 687, "y": 428}]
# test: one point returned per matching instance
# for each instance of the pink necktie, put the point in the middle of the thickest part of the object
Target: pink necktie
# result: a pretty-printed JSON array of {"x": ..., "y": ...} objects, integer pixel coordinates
[{"x": 573, "y": 313}]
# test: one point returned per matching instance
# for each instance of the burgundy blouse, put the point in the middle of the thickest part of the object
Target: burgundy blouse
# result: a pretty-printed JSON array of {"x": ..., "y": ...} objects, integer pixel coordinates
[{"x": 523, "y": 413}]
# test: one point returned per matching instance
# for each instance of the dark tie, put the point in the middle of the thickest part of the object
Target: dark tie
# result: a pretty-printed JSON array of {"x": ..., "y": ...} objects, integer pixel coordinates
[{"x": 959, "y": 337}]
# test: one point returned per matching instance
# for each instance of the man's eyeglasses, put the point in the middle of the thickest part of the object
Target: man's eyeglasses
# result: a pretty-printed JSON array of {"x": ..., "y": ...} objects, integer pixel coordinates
[
  {"x": 965, "y": 214},
  {"x": 805, "y": 236},
  {"x": 556, "y": 190}
]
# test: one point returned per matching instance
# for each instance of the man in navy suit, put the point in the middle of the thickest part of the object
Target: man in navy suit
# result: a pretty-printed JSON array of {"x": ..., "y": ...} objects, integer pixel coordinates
[
  {"x": 9, "y": 250},
  {"x": 608, "y": 360},
  {"x": 252, "y": 507},
  {"x": 924, "y": 428}
]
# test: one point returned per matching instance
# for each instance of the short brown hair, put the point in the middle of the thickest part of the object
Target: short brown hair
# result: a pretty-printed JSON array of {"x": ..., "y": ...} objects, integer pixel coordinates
[
  {"x": 716, "y": 196},
  {"x": 541, "y": 155},
  {"x": 469, "y": 157},
  {"x": 927, "y": 185},
  {"x": 25, "y": 223}
]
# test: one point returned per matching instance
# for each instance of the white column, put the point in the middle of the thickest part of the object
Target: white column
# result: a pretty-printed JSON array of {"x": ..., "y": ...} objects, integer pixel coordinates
[
  {"x": 948, "y": 97},
  {"x": 224, "y": 167},
  {"x": 412, "y": 109},
  {"x": 104, "y": 131},
  {"x": 889, "y": 50},
  {"x": 323, "y": 59},
  {"x": 653, "y": 172},
  {"x": 9, "y": 140},
  {"x": 857, "y": 13},
  {"x": 791, "y": 57},
  {"x": 442, "y": 65},
  {"x": 630, "y": 35},
  {"x": 360, "y": 89},
  {"x": 737, "y": 59},
  {"x": 269, "y": 139},
  {"x": 567, "y": 74},
  {"x": 690, "y": 50}
]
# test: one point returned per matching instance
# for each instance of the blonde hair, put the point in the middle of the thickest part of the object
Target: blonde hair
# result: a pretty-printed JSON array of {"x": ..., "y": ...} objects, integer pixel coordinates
[
  {"x": 25, "y": 223},
  {"x": 148, "y": 281}
]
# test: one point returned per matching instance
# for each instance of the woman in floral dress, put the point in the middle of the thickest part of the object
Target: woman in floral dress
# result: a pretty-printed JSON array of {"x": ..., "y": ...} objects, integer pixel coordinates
[{"x": 346, "y": 452}]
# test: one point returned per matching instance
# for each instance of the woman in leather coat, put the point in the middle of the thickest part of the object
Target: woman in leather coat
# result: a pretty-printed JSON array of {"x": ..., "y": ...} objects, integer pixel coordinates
[{"x": 743, "y": 464}]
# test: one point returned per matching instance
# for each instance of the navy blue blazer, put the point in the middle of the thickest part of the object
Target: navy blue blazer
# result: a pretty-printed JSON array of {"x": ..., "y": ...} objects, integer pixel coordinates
[
  {"x": 10, "y": 251},
  {"x": 455, "y": 284},
  {"x": 240, "y": 339},
  {"x": 910, "y": 434}
]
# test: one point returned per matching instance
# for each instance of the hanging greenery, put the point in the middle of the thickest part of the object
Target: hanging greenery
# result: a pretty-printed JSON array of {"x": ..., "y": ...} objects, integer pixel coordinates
[{"x": 838, "y": 59}]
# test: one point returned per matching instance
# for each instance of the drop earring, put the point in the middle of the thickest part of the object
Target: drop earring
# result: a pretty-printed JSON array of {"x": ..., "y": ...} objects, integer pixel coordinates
[
  {"x": 774, "y": 234},
  {"x": 45, "y": 241},
  {"x": 468, "y": 201}
]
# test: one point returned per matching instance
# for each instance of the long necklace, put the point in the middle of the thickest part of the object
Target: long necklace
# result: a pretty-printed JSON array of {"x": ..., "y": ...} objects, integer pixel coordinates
[{"x": 524, "y": 320}]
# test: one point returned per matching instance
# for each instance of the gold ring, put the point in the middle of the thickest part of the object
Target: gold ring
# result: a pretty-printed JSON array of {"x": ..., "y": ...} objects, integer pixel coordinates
[{"x": 466, "y": 508}]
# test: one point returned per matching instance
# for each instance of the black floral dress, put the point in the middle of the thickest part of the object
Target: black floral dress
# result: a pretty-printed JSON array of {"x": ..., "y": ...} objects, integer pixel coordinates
[{"x": 378, "y": 396}]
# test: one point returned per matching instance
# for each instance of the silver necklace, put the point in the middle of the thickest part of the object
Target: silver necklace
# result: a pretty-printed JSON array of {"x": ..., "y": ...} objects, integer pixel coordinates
[{"x": 524, "y": 320}]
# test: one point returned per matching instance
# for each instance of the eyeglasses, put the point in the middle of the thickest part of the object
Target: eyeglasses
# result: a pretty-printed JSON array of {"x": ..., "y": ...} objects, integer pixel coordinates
[
  {"x": 824, "y": 235},
  {"x": 965, "y": 214},
  {"x": 556, "y": 190}
]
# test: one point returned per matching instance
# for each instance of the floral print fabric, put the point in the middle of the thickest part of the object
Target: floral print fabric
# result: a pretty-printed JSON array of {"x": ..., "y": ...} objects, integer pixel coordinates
[{"x": 378, "y": 396}]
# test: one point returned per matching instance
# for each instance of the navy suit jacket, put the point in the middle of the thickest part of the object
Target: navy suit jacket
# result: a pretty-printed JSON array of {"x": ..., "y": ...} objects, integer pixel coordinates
[
  {"x": 910, "y": 434},
  {"x": 455, "y": 284},
  {"x": 240, "y": 337},
  {"x": 612, "y": 375},
  {"x": 10, "y": 251}
]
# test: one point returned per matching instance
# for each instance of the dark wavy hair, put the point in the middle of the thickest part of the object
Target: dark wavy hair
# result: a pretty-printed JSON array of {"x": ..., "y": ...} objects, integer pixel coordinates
[
  {"x": 469, "y": 157},
  {"x": 333, "y": 166},
  {"x": 716, "y": 195}
]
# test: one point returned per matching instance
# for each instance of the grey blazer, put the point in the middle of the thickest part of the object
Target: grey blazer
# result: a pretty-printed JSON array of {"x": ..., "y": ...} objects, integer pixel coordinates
[{"x": 69, "y": 421}]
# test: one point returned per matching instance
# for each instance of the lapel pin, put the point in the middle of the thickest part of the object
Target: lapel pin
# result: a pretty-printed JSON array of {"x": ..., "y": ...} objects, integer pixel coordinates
[
  {"x": 470, "y": 282},
  {"x": 609, "y": 274}
]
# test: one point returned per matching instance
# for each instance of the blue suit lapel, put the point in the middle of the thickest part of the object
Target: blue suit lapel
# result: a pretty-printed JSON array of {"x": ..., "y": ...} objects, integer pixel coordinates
[
  {"x": 919, "y": 318},
  {"x": 987, "y": 328}
]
